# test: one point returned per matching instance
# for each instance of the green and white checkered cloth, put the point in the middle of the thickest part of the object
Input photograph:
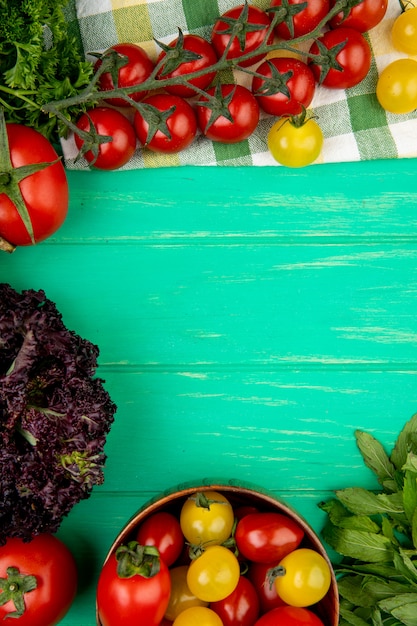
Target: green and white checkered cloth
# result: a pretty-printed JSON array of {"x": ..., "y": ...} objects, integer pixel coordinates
[{"x": 354, "y": 125}]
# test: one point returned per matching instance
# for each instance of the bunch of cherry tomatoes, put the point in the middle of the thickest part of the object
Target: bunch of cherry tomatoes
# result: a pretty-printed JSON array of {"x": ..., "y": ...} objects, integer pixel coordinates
[
  {"x": 192, "y": 101},
  {"x": 214, "y": 564}
]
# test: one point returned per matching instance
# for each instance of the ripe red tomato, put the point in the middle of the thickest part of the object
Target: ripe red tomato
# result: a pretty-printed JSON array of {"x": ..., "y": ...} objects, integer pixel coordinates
[
  {"x": 132, "y": 600},
  {"x": 241, "y": 106},
  {"x": 162, "y": 530},
  {"x": 292, "y": 81},
  {"x": 44, "y": 193},
  {"x": 176, "y": 133},
  {"x": 265, "y": 588},
  {"x": 354, "y": 58},
  {"x": 51, "y": 563},
  {"x": 290, "y": 616},
  {"x": 241, "y": 607},
  {"x": 107, "y": 122},
  {"x": 267, "y": 537},
  {"x": 362, "y": 16},
  {"x": 302, "y": 21},
  {"x": 137, "y": 69},
  {"x": 236, "y": 24},
  {"x": 206, "y": 57}
]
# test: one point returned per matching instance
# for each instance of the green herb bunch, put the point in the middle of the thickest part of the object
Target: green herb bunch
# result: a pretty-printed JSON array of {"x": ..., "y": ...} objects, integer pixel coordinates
[
  {"x": 376, "y": 532},
  {"x": 40, "y": 61}
]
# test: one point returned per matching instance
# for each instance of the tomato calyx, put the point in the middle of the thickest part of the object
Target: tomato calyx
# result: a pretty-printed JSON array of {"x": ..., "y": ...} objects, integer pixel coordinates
[
  {"x": 219, "y": 107},
  {"x": 285, "y": 13},
  {"x": 134, "y": 559},
  {"x": 276, "y": 83},
  {"x": 326, "y": 58},
  {"x": 156, "y": 120},
  {"x": 111, "y": 61},
  {"x": 10, "y": 177},
  {"x": 201, "y": 500},
  {"x": 176, "y": 55},
  {"x": 238, "y": 28},
  {"x": 14, "y": 587}
]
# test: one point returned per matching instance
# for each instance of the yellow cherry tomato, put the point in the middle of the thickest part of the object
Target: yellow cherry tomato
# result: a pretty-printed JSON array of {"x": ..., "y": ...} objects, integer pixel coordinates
[
  {"x": 305, "y": 578},
  {"x": 404, "y": 32},
  {"x": 180, "y": 597},
  {"x": 295, "y": 144},
  {"x": 214, "y": 575},
  {"x": 206, "y": 518},
  {"x": 396, "y": 88},
  {"x": 198, "y": 616}
]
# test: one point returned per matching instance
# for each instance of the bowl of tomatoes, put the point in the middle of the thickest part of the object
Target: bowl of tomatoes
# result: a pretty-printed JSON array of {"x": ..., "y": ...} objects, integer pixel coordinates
[{"x": 217, "y": 554}]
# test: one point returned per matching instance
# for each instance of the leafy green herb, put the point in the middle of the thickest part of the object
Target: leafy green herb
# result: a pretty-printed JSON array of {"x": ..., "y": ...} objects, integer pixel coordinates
[
  {"x": 40, "y": 61},
  {"x": 376, "y": 535}
]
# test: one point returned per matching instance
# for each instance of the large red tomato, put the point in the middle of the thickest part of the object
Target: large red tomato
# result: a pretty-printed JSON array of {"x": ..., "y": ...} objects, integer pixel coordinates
[
  {"x": 43, "y": 198},
  {"x": 162, "y": 530},
  {"x": 136, "y": 599},
  {"x": 361, "y": 16},
  {"x": 290, "y": 616},
  {"x": 267, "y": 537},
  {"x": 241, "y": 607},
  {"x": 264, "y": 585},
  {"x": 303, "y": 16},
  {"x": 39, "y": 577}
]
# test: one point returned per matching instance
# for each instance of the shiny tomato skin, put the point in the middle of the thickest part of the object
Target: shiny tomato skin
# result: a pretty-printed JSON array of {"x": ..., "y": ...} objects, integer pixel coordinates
[
  {"x": 198, "y": 616},
  {"x": 107, "y": 121},
  {"x": 396, "y": 88},
  {"x": 301, "y": 86},
  {"x": 252, "y": 39},
  {"x": 48, "y": 559},
  {"x": 244, "y": 110},
  {"x": 208, "y": 57},
  {"x": 266, "y": 589},
  {"x": 355, "y": 58},
  {"x": 306, "y": 577},
  {"x": 305, "y": 20},
  {"x": 182, "y": 124},
  {"x": 162, "y": 530},
  {"x": 267, "y": 537},
  {"x": 181, "y": 597},
  {"x": 289, "y": 616},
  {"x": 362, "y": 17},
  {"x": 45, "y": 193},
  {"x": 404, "y": 31},
  {"x": 135, "y": 600},
  {"x": 137, "y": 69},
  {"x": 214, "y": 575},
  {"x": 241, "y": 607}
]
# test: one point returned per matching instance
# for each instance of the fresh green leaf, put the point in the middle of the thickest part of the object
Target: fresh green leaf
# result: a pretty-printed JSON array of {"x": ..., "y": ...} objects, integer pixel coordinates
[
  {"x": 357, "y": 544},
  {"x": 340, "y": 516},
  {"x": 405, "y": 566},
  {"x": 364, "y": 502},
  {"x": 406, "y": 441},
  {"x": 409, "y": 494},
  {"x": 352, "y": 618},
  {"x": 403, "y": 607},
  {"x": 374, "y": 456}
]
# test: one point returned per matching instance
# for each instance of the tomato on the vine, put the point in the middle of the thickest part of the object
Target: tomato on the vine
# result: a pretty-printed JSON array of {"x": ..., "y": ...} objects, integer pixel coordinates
[
  {"x": 290, "y": 616},
  {"x": 204, "y": 56},
  {"x": 287, "y": 88},
  {"x": 181, "y": 597},
  {"x": 38, "y": 580},
  {"x": 42, "y": 195},
  {"x": 162, "y": 530},
  {"x": 361, "y": 16},
  {"x": 241, "y": 607},
  {"x": 265, "y": 588},
  {"x": 234, "y": 118},
  {"x": 241, "y": 30},
  {"x": 133, "y": 587},
  {"x": 206, "y": 517},
  {"x": 304, "y": 577},
  {"x": 352, "y": 54},
  {"x": 117, "y": 139},
  {"x": 404, "y": 31},
  {"x": 198, "y": 615},
  {"x": 136, "y": 70},
  {"x": 396, "y": 88},
  {"x": 214, "y": 575},
  {"x": 295, "y": 144},
  {"x": 300, "y": 20},
  {"x": 170, "y": 125}
]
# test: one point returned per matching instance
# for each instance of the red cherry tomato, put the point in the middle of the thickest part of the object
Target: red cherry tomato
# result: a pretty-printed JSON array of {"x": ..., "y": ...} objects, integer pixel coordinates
[
  {"x": 180, "y": 129},
  {"x": 265, "y": 588},
  {"x": 354, "y": 58},
  {"x": 162, "y": 530},
  {"x": 206, "y": 58},
  {"x": 243, "y": 109},
  {"x": 241, "y": 607},
  {"x": 52, "y": 565},
  {"x": 225, "y": 29},
  {"x": 137, "y": 69},
  {"x": 111, "y": 123},
  {"x": 267, "y": 537},
  {"x": 295, "y": 86},
  {"x": 289, "y": 616},
  {"x": 362, "y": 16},
  {"x": 301, "y": 21}
]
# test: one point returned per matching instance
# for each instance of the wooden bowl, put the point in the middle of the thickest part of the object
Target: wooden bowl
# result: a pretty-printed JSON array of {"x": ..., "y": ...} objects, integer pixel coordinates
[{"x": 238, "y": 495}]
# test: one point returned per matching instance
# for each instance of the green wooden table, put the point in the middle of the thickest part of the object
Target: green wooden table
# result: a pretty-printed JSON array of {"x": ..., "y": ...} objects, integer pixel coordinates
[{"x": 249, "y": 320}]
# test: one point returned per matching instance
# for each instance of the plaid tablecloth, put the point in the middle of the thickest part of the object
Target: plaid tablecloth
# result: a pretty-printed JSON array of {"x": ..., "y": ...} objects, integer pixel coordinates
[{"x": 355, "y": 127}]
